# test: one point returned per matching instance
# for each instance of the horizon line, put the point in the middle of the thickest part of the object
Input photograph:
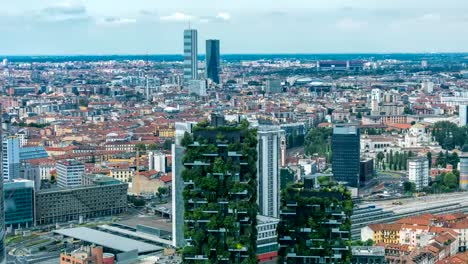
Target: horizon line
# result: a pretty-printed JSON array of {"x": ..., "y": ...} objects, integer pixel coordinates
[{"x": 231, "y": 54}]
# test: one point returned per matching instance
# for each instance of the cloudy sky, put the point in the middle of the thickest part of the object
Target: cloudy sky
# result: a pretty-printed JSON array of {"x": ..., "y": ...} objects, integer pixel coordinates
[{"x": 243, "y": 26}]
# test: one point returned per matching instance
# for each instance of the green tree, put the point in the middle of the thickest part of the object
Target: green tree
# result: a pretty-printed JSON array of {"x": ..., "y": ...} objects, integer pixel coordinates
[
  {"x": 429, "y": 158},
  {"x": 450, "y": 181},
  {"x": 409, "y": 187},
  {"x": 140, "y": 147},
  {"x": 152, "y": 146},
  {"x": 167, "y": 144}
]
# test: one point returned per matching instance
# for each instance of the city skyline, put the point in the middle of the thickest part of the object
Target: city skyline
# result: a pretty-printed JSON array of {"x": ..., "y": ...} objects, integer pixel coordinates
[{"x": 283, "y": 27}]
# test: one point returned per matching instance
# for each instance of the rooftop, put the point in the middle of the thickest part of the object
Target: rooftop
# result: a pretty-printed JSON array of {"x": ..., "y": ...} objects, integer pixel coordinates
[{"x": 108, "y": 240}]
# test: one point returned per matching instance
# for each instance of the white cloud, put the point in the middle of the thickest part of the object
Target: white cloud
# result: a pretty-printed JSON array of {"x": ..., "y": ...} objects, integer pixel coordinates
[
  {"x": 116, "y": 21},
  {"x": 64, "y": 11},
  {"x": 223, "y": 16},
  {"x": 349, "y": 24},
  {"x": 430, "y": 17},
  {"x": 178, "y": 17}
]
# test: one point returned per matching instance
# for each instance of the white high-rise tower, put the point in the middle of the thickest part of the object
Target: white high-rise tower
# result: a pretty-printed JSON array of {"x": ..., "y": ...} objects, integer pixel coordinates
[{"x": 190, "y": 55}]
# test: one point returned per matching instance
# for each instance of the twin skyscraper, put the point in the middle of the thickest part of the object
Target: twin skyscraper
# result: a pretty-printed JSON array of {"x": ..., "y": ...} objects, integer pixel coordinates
[{"x": 212, "y": 59}]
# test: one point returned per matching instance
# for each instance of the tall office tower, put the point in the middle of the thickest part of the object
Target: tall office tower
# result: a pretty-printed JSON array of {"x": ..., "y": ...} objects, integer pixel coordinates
[
  {"x": 220, "y": 193},
  {"x": 418, "y": 172},
  {"x": 463, "y": 114},
  {"x": 2, "y": 203},
  {"x": 178, "y": 183},
  {"x": 19, "y": 203},
  {"x": 213, "y": 60},
  {"x": 273, "y": 86},
  {"x": 11, "y": 158},
  {"x": 190, "y": 55},
  {"x": 346, "y": 154},
  {"x": 464, "y": 168},
  {"x": 268, "y": 169},
  {"x": 69, "y": 173},
  {"x": 315, "y": 225}
]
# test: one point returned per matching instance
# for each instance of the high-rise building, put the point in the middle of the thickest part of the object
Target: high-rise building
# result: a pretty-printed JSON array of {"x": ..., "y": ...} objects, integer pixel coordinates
[
  {"x": 213, "y": 60},
  {"x": 315, "y": 224},
  {"x": 19, "y": 203},
  {"x": 273, "y": 86},
  {"x": 268, "y": 169},
  {"x": 190, "y": 55},
  {"x": 418, "y": 172},
  {"x": 69, "y": 173},
  {"x": 11, "y": 158},
  {"x": 157, "y": 161},
  {"x": 181, "y": 129},
  {"x": 2, "y": 203},
  {"x": 220, "y": 194},
  {"x": 197, "y": 87},
  {"x": 346, "y": 154},
  {"x": 464, "y": 168},
  {"x": 463, "y": 114}
]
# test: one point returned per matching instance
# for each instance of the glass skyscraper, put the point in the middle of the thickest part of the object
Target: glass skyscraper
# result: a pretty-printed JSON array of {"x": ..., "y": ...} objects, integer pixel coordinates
[
  {"x": 346, "y": 154},
  {"x": 212, "y": 60},
  {"x": 190, "y": 55}
]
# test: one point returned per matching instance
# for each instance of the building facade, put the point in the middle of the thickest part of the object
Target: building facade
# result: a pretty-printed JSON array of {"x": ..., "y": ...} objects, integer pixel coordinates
[
  {"x": 273, "y": 86},
  {"x": 190, "y": 55},
  {"x": 11, "y": 158},
  {"x": 19, "y": 203},
  {"x": 463, "y": 114},
  {"x": 69, "y": 173},
  {"x": 213, "y": 60},
  {"x": 346, "y": 154},
  {"x": 464, "y": 170},
  {"x": 103, "y": 199},
  {"x": 268, "y": 169},
  {"x": 418, "y": 172},
  {"x": 315, "y": 225},
  {"x": 220, "y": 194}
]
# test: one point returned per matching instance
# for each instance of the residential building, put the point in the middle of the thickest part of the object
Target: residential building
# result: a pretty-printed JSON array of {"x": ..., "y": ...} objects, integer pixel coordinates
[
  {"x": 11, "y": 158},
  {"x": 103, "y": 198},
  {"x": 267, "y": 238},
  {"x": 122, "y": 173},
  {"x": 87, "y": 255},
  {"x": 315, "y": 225},
  {"x": 346, "y": 154},
  {"x": 181, "y": 129},
  {"x": 464, "y": 169},
  {"x": 19, "y": 203},
  {"x": 69, "y": 173},
  {"x": 418, "y": 172},
  {"x": 213, "y": 60},
  {"x": 157, "y": 161},
  {"x": 268, "y": 169},
  {"x": 463, "y": 114},
  {"x": 273, "y": 86},
  {"x": 2, "y": 201},
  {"x": 197, "y": 87},
  {"x": 220, "y": 193},
  {"x": 190, "y": 55},
  {"x": 368, "y": 255}
]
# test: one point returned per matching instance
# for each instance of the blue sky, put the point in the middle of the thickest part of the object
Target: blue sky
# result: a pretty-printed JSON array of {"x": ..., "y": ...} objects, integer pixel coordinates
[{"x": 243, "y": 26}]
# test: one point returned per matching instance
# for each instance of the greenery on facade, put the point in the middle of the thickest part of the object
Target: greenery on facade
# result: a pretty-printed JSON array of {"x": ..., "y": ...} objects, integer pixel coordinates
[
  {"x": 315, "y": 223},
  {"x": 220, "y": 194}
]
